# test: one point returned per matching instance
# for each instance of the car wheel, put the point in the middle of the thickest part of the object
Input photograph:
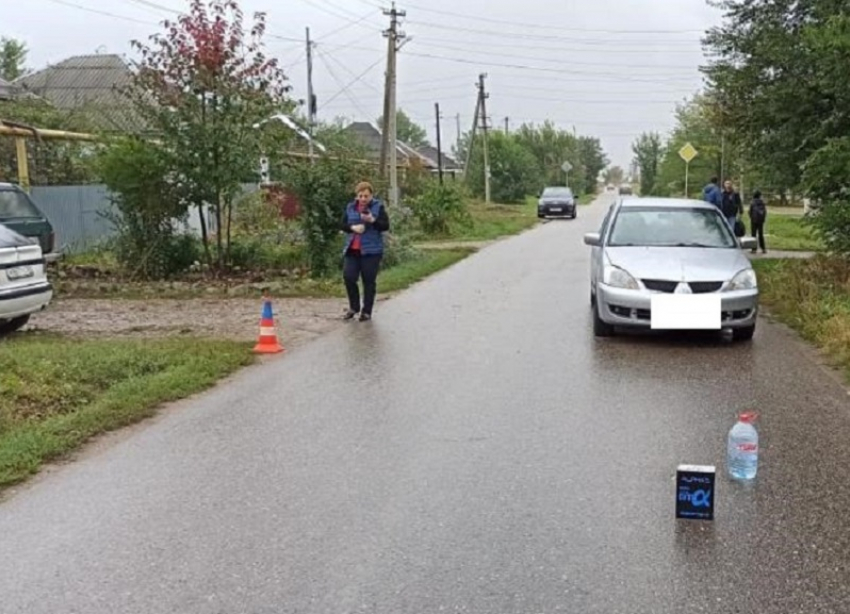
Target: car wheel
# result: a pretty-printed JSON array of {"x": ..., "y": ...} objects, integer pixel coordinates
[
  {"x": 10, "y": 326},
  {"x": 743, "y": 334},
  {"x": 575, "y": 214},
  {"x": 600, "y": 328}
]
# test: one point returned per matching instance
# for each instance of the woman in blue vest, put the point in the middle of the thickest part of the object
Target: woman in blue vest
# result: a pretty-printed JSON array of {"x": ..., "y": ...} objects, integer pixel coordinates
[{"x": 364, "y": 222}]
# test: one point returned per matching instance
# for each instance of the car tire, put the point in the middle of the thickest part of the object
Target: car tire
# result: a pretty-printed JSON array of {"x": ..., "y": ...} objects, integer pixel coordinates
[
  {"x": 600, "y": 328},
  {"x": 575, "y": 214},
  {"x": 15, "y": 324},
  {"x": 743, "y": 334}
]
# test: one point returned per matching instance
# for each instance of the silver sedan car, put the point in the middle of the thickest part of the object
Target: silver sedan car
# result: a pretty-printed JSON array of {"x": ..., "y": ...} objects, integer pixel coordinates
[{"x": 651, "y": 251}]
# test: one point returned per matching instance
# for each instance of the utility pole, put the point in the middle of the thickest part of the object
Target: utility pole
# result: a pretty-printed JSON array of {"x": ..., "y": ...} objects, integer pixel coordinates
[
  {"x": 311, "y": 99},
  {"x": 483, "y": 95},
  {"x": 439, "y": 143},
  {"x": 470, "y": 146},
  {"x": 457, "y": 145},
  {"x": 507, "y": 125},
  {"x": 389, "y": 140}
]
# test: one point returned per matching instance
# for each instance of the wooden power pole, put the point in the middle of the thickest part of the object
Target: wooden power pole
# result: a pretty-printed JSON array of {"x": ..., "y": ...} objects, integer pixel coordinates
[
  {"x": 389, "y": 140},
  {"x": 482, "y": 96},
  {"x": 439, "y": 144}
]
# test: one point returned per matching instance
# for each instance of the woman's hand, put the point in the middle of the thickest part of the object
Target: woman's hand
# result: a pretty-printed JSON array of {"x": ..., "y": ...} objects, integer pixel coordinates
[
  {"x": 368, "y": 217},
  {"x": 358, "y": 229}
]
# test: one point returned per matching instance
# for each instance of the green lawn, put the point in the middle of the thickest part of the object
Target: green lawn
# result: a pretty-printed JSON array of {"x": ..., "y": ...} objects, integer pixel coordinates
[
  {"x": 813, "y": 297},
  {"x": 392, "y": 279},
  {"x": 57, "y": 393},
  {"x": 785, "y": 231}
]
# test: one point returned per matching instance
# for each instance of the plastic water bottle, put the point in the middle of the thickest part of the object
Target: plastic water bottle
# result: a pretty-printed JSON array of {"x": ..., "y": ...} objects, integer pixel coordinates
[{"x": 742, "y": 448}]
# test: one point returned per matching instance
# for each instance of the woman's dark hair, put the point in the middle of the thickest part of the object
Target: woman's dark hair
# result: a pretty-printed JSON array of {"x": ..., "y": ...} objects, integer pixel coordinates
[{"x": 757, "y": 194}]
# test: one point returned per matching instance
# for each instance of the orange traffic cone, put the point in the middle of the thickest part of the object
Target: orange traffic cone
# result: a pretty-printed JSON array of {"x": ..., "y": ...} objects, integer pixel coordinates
[{"x": 267, "y": 343}]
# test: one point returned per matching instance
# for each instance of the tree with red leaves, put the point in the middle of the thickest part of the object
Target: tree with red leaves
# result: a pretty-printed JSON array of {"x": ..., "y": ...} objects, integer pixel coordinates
[{"x": 200, "y": 87}]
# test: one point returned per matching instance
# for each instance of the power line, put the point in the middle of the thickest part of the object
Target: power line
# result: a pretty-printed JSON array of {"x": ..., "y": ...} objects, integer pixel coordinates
[
  {"x": 353, "y": 82},
  {"x": 529, "y": 36},
  {"x": 345, "y": 90},
  {"x": 105, "y": 13},
  {"x": 559, "y": 46},
  {"x": 480, "y": 18},
  {"x": 468, "y": 50},
  {"x": 547, "y": 69},
  {"x": 346, "y": 26},
  {"x": 351, "y": 73}
]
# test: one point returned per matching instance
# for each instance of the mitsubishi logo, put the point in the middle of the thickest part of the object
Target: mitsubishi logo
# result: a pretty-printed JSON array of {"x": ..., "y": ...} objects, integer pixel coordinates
[{"x": 683, "y": 288}]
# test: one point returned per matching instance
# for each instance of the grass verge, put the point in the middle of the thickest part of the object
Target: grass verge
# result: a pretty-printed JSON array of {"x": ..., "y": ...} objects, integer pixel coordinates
[
  {"x": 56, "y": 393},
  {"x": 789, "y": 232},
  {"x": 813, "y": 297},
  {"x": 392, "y": 279}
]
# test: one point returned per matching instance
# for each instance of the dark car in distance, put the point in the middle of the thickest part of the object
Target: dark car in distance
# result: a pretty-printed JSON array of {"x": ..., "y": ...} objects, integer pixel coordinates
[
  {"x": 557, "y": 202},
  {"x": 19, "y": 213}
]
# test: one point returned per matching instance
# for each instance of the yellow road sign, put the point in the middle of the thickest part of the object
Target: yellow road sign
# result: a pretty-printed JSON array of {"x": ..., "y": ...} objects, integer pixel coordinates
[{"x": 688, "y": 153}]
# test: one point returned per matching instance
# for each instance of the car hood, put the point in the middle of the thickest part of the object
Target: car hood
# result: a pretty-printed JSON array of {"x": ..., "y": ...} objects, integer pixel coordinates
[{"x": 679, "y": 263}]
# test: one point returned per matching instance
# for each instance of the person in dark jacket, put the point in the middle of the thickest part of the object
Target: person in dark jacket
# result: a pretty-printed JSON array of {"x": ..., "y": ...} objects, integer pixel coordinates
[
  {"x": 364, "y": 222},
  {"x": 730, "y": 204},
  {"x": 758, "y": 216}
]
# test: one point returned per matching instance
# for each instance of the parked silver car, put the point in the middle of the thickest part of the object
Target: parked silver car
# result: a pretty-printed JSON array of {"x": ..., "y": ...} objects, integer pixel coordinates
[{"x": 652, "y": 246}]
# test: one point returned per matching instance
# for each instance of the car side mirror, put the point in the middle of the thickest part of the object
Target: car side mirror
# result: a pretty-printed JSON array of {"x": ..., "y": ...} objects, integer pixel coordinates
[
  {"x": 594, "y": 239},
  {"x": 748, "y": 242}
]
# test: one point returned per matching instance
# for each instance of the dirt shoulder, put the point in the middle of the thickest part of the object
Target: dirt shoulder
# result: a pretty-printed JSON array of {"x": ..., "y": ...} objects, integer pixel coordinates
[{"x": 298, "y": 320}]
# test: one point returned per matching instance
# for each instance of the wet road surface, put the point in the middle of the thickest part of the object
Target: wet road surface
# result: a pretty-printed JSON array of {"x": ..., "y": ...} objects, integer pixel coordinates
[{"x": 473, "y": 449}]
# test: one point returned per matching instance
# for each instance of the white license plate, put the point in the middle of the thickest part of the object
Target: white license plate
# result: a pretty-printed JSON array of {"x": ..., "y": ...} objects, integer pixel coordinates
[
  {"x": 20, "y": 272},
  {"x": 685, "y": 311},
  {"x": 555, "y": 209}
]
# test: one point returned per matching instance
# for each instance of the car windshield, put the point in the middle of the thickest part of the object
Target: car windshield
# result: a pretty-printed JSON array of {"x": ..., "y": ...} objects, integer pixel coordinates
[
  {"x": 558, "y": 193},
  {"x": 15, "y": 204},
  {"x": 668, "y": 227}
]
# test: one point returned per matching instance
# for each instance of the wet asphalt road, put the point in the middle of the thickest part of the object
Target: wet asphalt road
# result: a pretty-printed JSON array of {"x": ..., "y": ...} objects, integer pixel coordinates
[{"x": 473, "y": 449}]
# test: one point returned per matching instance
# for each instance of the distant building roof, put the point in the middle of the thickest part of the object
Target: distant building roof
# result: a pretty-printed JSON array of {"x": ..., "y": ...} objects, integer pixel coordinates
[
  {"x": 6, "y": 89},
  {"x": 430, "y": 152},
  {"x": 371, "y": 137},
  {"x": 87, "y": 82}
]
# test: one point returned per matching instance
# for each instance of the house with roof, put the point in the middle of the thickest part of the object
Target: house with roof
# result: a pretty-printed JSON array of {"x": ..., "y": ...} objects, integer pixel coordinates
[
  {"x": 450, "y": 165},
  {"x": 370, "y": 136},
  {"x": 87, "y": 84},
  {"x": 6, "y": 90}
]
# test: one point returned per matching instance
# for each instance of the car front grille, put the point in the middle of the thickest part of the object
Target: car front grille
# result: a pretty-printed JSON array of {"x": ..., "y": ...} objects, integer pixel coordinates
[
  {"x": 697, "y": 287},
  {"x": 660, "y": 285},
  {"x": 704, "y": 287}
]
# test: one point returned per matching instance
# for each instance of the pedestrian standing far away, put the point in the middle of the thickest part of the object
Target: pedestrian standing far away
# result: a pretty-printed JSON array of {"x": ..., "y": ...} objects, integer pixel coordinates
[
  {"x": 758, "y": 216},
  {"x": 711, "y": 193},
  {"x": 364, "y": 222},
  {"x": 731, "y": 204}
]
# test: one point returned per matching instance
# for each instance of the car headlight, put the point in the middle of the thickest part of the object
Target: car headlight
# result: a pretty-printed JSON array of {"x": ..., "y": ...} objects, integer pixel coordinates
[
  {"x": 744, "y": 280},
  {"x": 619, "y": 278}
]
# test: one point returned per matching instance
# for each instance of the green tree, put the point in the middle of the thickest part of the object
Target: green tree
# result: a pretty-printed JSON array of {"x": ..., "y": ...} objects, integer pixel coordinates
[
  {"x": 775, "y": 73},
  {"x": 697, "y": 124},
  {"x": 593, "y": 161},
  {"x": 649, "y": 151},
  {"x": 614, "y": 175},
  {"x": 514, "y": 171},
  {"x": 13, "y": 58},
  {"x": 51, "y": 162},
  {"x": 323, "y": 189},
  {"x": 200, "y": 87},
  {"x": 552, "y": 147},
  {"x": 408, "y": 131}
]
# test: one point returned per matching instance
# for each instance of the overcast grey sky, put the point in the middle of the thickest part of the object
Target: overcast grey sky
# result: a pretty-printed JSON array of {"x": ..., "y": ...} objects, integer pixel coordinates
[{"x": 609, "y": 68}]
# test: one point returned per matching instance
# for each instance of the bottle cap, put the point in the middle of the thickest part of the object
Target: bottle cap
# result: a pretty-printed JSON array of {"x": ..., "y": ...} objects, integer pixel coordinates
[{"x": 748, "y": 417}]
